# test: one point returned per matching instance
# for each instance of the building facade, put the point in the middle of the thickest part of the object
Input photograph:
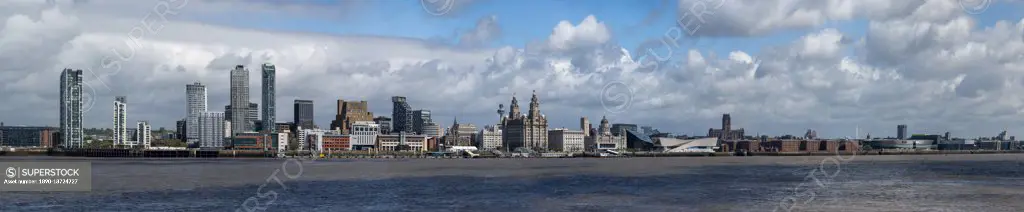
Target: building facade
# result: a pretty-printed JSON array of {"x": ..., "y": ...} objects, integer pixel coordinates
[
  {"x": 269, "y": 91},
  {"x": 401, "y": 115},
  {"x": 120, "y": 121},
  {"x": 335, "y": 142},
  {"x": 420, "y": 118},
  {"x": 195, "y": 95},
  {"x": 143, "y": 134},
  {"x": 402, "y": 142},
  {"x": 620, "y": 129},
  {"x": 255, "y": 141},
  {"x": 489, "y": 138},
  {"x": 303, "y": 114},
  {"x": 350, "y": 112},
  {"x": 530, "y": 130},
  {"x": 566, "y": 140},
  {"x": 431, "y": 129},
  {"x": 21, "y": 136},
  {"x": 385, "y": 124},
  {"x": 211, "y": 130},
  {"x": 72, "y": 135},
  {"x": 602, "y": 138},
  {"x": 239, "y": 100},
  {"x": 364, "y": 135},
  {"x": 179, "y": 129},
  {"x": 252, "y": 116}
]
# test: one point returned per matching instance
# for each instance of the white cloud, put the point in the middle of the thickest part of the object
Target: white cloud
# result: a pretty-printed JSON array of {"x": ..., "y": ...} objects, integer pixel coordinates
[{"x": 587, "y": 33}]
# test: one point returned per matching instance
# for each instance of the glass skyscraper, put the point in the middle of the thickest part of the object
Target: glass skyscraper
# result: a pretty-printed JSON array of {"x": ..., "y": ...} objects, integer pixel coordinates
[
  {"x": 269, "y": 107},
  {"x": 401, "y": 115},
  {"x": 195, "y": 95},
  {"x": 71, "y": 108}
]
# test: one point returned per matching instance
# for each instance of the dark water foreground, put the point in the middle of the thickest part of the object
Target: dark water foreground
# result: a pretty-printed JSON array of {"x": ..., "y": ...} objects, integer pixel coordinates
[{"x": 862, "y": 183}]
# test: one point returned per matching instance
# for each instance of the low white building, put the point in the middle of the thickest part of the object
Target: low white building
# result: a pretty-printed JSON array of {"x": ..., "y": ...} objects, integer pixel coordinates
[
  {"x": 604, "y": 142},
  {"x": 364, "y": 135},
  {"x": 282, "y": 143},
  {"x": 310, "y": 139},
  {"x": 395, "y": 142},
  {"x": 565, "y": 140}
]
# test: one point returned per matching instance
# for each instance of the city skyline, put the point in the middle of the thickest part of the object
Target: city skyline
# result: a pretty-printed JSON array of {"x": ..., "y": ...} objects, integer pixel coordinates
[{"x": 780, "y": 77}]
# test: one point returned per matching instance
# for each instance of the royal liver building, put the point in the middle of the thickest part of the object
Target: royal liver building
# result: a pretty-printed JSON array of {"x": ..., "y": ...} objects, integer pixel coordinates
[{"x": 529, "y": 130}]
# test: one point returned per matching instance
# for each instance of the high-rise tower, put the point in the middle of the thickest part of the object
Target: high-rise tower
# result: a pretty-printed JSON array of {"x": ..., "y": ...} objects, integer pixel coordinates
[
  {"x": 401, "y": 115},
  {"x": 195, "y": 95},
  {"x": 120, "y": 121},
  {"x": 269, "y": 108},
  {"x": 71, "y": 108},
  {"x": 239, "y": 100}
]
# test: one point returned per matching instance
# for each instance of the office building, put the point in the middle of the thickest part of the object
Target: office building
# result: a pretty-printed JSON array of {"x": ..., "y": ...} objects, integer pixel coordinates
[
  {"x": 489, "y": 138},
  {"x": 120, "y": 121},
  {"x": 195, "y": 95},
  {"x": 402, "y": 142},
  {"x": 364, "y": 135},
  {"x": 335, "y": 142},
  {"x": 530, "y": 130},
  {"x": 350, "y": 112},
  {"x": 179, "y": 129},
  {"x": 566, "y": 140},
  {"x": 269, "y": 107},
  {"x": 252, "y": 116},
  {"x": 303, "y": 114},
  {"x": 240, "y": 100},
  {"x": 71, "y": 109},
  {"x": 22, "y": 136},
  {"x": 211, "y": 130},
  {"x": 431, "y": 129},
  {"x": 420, "y": 118},
  {"x": 309, "y": 139},
  {"x": 255, "y": 141},
  {"x": 401, "y": 115},
  {"x": 143, "y": 134},
  {"x": 901, "y": 131},
  {"x": 385, "y": 124}
]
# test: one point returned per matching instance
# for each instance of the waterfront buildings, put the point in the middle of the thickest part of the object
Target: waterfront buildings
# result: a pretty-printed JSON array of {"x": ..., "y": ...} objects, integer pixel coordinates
[
  {"x": 252, "y": 116},
  {"x": 255, "y": 141},
  {"x": 269, "y": 107},
  {"x": 195, "y": 95},
  {"x": 402, "y": 142},
  {"x": 385, "y": 124},
  {"x": 431, "y": 129},
  {"x": 364, "y": 135},
  {"x": 334, "y": 142},
  {"x": 401, "y": 115},
  {"x": 211, "y": 130},
  {"x": 585, "y": 126},
  {"x": 489, "y": 138},
  {"x": 530, "y": 130},
  {"x": 239, "y": 100},
  {"x": 460, "y": 135},
  {"x": 120, "y": 121},
  {"x": 566, "y": 140},
  {"x": 71, "y": 109},
  {"x": 726, "y": 133},
  {"x": 350, "y": 112},
  {"x": 603, "y": 139},
  {"x": 143, "y": 136},
  {"x": 25, "y": 136},
  {"x": 303, "y": 116},
  {"x": 309, "y": 138}
]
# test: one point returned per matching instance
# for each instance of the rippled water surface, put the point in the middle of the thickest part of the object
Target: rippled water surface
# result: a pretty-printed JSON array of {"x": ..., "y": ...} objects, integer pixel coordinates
[{"x": 968, "y": 183}]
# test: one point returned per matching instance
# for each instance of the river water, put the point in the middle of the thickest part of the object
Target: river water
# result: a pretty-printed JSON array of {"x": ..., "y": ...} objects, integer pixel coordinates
[{"x": 861, "y": 183}]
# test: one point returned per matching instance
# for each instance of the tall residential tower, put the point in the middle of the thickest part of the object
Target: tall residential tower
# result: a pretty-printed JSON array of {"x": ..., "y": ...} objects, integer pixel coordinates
[
  {"x": 240, "y": 100},
  {"x": 120, "y": 121},
  {"x": 269, "y": 107},
  {"x": 195, "y": 95},
  {"x": 71, "y": 108},
  {"x": 401, "y": 115},
  {"x": 303, "y": 116}
]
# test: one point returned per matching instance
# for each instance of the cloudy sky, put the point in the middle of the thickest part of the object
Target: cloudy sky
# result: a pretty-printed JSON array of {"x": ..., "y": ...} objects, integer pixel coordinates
[{"x": 778, "y": 66}]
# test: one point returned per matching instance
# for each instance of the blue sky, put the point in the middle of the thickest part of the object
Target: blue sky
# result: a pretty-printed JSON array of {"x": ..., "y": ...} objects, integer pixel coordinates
[{"x": 524, "y": 21}]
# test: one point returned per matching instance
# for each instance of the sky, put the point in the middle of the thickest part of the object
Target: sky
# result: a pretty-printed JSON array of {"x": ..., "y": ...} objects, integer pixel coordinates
[{"x": 843, "y": 68}]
